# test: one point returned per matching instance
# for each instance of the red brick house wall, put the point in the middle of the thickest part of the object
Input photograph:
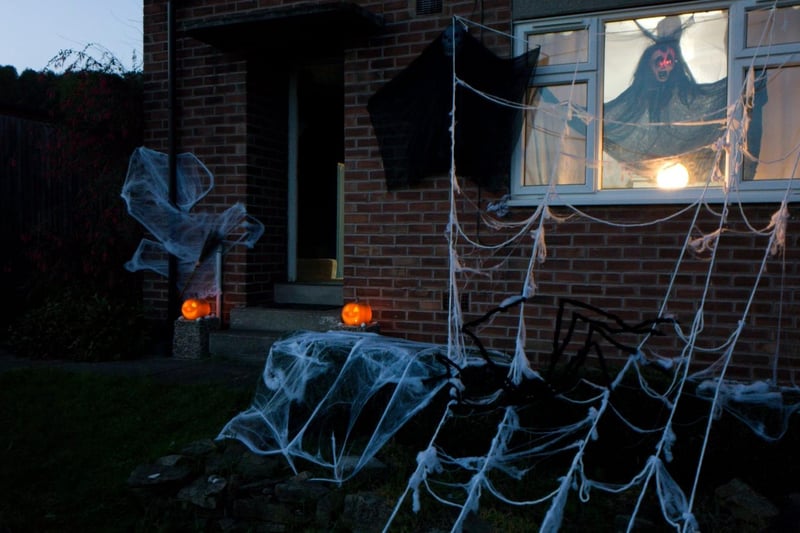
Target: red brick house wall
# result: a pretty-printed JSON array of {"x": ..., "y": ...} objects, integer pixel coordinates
[
  {"x": 396, "y": 252},
  {"x": 235, "y": 122}
]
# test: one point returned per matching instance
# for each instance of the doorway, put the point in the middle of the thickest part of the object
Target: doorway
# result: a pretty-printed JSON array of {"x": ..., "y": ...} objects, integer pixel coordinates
[{"x": 316, "y": 172}]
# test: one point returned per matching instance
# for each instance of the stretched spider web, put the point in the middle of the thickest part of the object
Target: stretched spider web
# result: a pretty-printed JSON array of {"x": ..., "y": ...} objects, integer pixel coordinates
[
  {"x": 537, "y": 439},
  {"x": 192, "y": 236}
]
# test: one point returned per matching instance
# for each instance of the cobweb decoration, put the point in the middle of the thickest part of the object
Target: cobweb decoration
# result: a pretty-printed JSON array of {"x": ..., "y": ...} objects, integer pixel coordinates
[
  {"x": 538, "y": 438},
  {"x": 317, "y": 388},
  {"x": 193, "y": 237}
]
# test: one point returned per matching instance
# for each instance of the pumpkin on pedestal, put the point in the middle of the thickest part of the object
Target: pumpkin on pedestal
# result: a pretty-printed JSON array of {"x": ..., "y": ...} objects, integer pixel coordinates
[
  {"x": 194, "y": 308},
  {"x": 356, "y": 314}
]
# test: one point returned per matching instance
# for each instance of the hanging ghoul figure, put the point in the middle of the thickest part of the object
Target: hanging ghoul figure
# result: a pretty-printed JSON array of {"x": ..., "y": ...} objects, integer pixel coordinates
[{"x": 665, "y": 112}]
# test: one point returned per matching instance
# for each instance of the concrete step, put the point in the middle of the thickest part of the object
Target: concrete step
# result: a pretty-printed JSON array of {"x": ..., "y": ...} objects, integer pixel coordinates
[
  {"x": 241, "y": 344},
  {"x": 252, "y": 330},
  {"x": 283, "y": 320}
]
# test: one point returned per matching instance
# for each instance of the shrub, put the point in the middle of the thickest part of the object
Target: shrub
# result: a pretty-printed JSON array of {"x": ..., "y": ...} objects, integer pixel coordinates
[
  {"x": 80, "y": 324},
  {"x": 70, "y": 227}
]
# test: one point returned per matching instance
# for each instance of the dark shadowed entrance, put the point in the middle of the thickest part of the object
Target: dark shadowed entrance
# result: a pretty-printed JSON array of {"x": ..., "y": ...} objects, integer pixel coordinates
[{"x": 320, "y": 153}]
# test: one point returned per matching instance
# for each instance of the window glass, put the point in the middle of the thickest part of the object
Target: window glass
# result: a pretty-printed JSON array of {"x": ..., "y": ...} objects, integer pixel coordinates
[
  {"x": 561, "y": 48},
  {"x": 778, "y": 26},
  {"x": 655, "y": 98},
  {"x": 664, "y": 99},
  {"x": 776, "y": 149},
  {"x": 555, "y": 136}
]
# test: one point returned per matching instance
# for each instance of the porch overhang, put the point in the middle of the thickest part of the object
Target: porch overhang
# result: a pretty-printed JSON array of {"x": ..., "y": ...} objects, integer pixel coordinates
[{"x": 289, "y": 30}]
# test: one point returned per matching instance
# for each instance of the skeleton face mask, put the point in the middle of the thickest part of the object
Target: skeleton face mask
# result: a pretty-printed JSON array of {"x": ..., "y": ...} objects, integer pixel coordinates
[{"x": 662, "y": 61}]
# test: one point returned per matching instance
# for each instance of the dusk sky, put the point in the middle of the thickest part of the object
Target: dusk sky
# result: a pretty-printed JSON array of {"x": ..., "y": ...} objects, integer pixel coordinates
[{"x": 34, "y": 31}]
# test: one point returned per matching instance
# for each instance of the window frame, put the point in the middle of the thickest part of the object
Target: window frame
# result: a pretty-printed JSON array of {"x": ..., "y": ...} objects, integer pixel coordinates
[{"x": 739, "y": 59}]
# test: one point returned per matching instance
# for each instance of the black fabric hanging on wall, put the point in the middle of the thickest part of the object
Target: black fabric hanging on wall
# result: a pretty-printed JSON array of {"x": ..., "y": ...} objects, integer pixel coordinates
[{"x": 411, "y": 113}]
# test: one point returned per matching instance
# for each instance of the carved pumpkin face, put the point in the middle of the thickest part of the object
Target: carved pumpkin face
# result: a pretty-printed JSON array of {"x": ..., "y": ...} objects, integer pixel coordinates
[
  {"x": 662, "y": 61},
  {"x": 356, "y": 314},
  {"x": 192, "y": 309}
]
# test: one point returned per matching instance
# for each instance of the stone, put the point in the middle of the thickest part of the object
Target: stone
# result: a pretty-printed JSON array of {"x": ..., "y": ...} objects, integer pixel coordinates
[
  {"x": 226, "y": 485},
  {"x": 749, "y": 508},
  {"x": 200, "y": 448},
  {"x": 263, "y": 509},
  {"x": 190, "y": 337},
  {"x": 789, "y": 518},
  {"x": 204, "y": 491},
  {"x": 259, "y": 486},
  {"x": 329, "y": 507},
  {"x": 300, "y": 492},
  {"x": 252, "y": 466},
  {"x": 305, "y": 475},
  {"x": 151, "y": 475},
  {"x": 227, "y": 524},
  {"x": 474, "y": 524},
  {"x": 373, "y": 467},
  {"x": 365, "y": 512},
  {"x": 171, "y": 460}
]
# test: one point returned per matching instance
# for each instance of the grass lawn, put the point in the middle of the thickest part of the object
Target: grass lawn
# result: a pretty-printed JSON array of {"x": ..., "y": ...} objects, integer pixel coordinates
[{"x": 69, "y": 442}]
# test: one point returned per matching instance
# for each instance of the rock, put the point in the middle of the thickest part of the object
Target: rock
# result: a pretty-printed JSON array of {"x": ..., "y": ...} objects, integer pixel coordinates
[
  {"x": 329, "y": 507},
  {"x": 305, "y": 475},
  {"x": 262, "y": 509},
  {"x": 225, "y": 484},
  {"x": 300, "y": 492},
  {"x": 474, "y": 524},
  {"x": 750, "y": 509},
  {"x": 254, "y": 466},
  {"x": 200, "y": 448},
  {"x": 171, "y": 460},
  {"x": 260, "y": 486},
  {"x": 231, "y": 459},
  {"x": 204, "y": 491},
  {"x": 788, "y": 521},
  {"x": 349, "y": 462},
  {"x": 227, "y": 524},
  {"x": 151, "y": 475},
  {"x": 365, "y": 512}
]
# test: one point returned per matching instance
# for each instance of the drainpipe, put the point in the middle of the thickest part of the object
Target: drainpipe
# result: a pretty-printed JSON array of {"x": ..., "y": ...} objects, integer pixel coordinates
[
  {"x": 172, "y": 294},
  {"x": 291, "y": 208},
  {"x": 218, "y": 281}
]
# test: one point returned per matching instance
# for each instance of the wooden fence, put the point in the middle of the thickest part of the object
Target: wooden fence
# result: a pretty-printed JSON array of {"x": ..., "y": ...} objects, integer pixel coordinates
[{"x": 33, "y": 193}]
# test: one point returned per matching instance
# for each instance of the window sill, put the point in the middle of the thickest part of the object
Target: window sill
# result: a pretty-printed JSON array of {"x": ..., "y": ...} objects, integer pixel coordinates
[{"x": 748, "y": 194}]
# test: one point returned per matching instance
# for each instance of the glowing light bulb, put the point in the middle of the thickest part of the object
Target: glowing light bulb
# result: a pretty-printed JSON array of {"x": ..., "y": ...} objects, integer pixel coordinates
[{"x": 672, "y": 176}]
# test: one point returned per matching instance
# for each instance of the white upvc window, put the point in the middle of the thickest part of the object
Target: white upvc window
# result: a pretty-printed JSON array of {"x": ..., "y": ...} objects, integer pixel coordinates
[{"x": 661, "y": 105}]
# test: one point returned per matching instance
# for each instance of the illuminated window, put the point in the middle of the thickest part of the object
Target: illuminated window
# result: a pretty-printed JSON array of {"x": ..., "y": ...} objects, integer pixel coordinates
[{"x": 661, "y": 105}]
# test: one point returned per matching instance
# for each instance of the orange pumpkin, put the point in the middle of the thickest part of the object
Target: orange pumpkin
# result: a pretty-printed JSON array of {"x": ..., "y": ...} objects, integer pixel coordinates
[
  {"x": 194, "y": 308},
  {"x": 356, "y": 314}
]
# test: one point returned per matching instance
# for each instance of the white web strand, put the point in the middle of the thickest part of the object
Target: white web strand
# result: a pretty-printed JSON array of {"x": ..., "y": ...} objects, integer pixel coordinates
[
  {"x": 677, "y": 509},
  {"x": 311, "y": 376}
]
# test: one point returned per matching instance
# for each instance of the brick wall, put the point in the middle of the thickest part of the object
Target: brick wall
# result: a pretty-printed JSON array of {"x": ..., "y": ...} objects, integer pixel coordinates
[
  {"x": 396, "y": 249},
  {"x": 234, "y": 119},
  {"x": 396, "y": 253}
]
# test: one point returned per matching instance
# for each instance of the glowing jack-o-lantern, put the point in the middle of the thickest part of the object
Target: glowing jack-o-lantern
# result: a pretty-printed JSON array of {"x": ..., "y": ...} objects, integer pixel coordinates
[
  {"x": 356, "y": 314},
  {"x": 194, "y": 308}
]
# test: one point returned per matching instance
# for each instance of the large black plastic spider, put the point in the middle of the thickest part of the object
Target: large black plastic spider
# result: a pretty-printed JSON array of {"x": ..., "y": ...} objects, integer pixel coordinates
[{"x": 557, "y": 379}]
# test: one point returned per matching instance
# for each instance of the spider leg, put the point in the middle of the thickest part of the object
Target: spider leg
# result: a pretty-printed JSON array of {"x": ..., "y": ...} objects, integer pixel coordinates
[
  {"x": 573, "y": 363},
  {"x": 559, "y": 347},
  {"x": 602, "y": 362}
]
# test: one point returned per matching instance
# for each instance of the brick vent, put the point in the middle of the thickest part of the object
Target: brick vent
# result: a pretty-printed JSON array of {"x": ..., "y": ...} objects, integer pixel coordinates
[{"x": 429, "y": 7}]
